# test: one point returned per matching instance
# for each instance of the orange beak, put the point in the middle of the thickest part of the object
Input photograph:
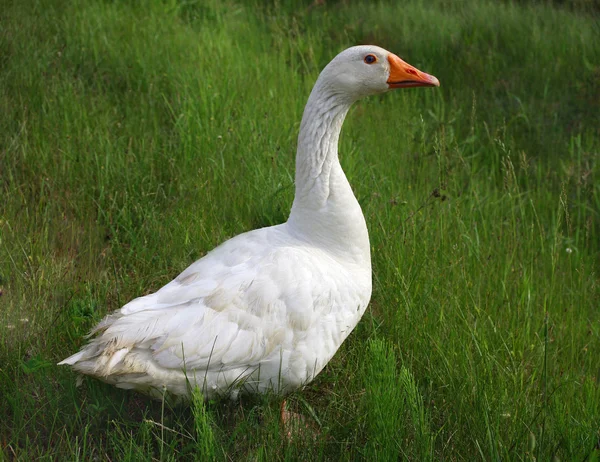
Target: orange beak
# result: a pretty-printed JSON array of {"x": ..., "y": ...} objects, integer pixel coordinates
[{"x": 403, "y": 75}]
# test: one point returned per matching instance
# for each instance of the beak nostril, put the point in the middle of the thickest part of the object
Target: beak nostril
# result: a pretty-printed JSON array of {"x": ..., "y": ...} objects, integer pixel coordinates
[{"x": 411, "y": 71}]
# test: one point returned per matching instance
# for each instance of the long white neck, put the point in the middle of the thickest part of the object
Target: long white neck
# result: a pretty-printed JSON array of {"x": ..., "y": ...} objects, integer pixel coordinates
[{"x": 325, "y": 211}]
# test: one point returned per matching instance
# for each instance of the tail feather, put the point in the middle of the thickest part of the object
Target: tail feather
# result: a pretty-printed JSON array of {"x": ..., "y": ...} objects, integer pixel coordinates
[
  {"x": 71, "y": 360},
  {"x": 115, "y": 358}
]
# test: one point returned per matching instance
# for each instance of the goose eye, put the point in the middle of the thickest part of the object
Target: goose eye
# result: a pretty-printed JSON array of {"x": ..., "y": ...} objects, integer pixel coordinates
[{"x": 370, "y": 59}]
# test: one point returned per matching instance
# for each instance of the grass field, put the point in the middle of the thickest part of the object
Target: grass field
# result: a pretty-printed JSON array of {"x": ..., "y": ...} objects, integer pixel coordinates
[{"x": 137, "y": 135}]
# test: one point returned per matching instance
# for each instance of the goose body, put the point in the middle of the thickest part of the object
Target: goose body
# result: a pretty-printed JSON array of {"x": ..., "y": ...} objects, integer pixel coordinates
[{"x": 267, "y": 309}]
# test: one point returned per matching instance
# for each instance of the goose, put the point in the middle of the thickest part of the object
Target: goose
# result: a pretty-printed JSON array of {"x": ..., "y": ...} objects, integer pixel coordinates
[{"x": 265, "y": 311}]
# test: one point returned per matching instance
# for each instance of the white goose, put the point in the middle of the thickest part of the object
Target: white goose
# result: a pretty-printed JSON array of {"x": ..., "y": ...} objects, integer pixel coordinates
[{"x": 266, "y": 310}]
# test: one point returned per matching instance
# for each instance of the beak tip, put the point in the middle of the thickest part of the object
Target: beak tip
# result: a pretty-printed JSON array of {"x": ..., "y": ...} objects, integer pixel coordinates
[{"x": 434, "y": 81}]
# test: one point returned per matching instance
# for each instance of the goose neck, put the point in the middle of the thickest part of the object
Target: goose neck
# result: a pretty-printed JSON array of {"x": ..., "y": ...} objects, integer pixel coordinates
[
  {"x": 317, "y": 153},
  {"x": 325, "y": 210}
]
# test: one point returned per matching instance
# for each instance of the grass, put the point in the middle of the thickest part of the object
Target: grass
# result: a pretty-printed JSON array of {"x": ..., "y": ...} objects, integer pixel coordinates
[{"x": 137, "y": 135}]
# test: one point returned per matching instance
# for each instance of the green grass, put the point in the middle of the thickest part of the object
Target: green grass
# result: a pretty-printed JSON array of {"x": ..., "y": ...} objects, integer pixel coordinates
[{"x": 137, "y": 135}]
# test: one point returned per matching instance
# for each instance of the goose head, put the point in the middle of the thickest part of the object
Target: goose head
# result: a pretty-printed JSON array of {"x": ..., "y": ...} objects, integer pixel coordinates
[{"x": 367, "y": 70}]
